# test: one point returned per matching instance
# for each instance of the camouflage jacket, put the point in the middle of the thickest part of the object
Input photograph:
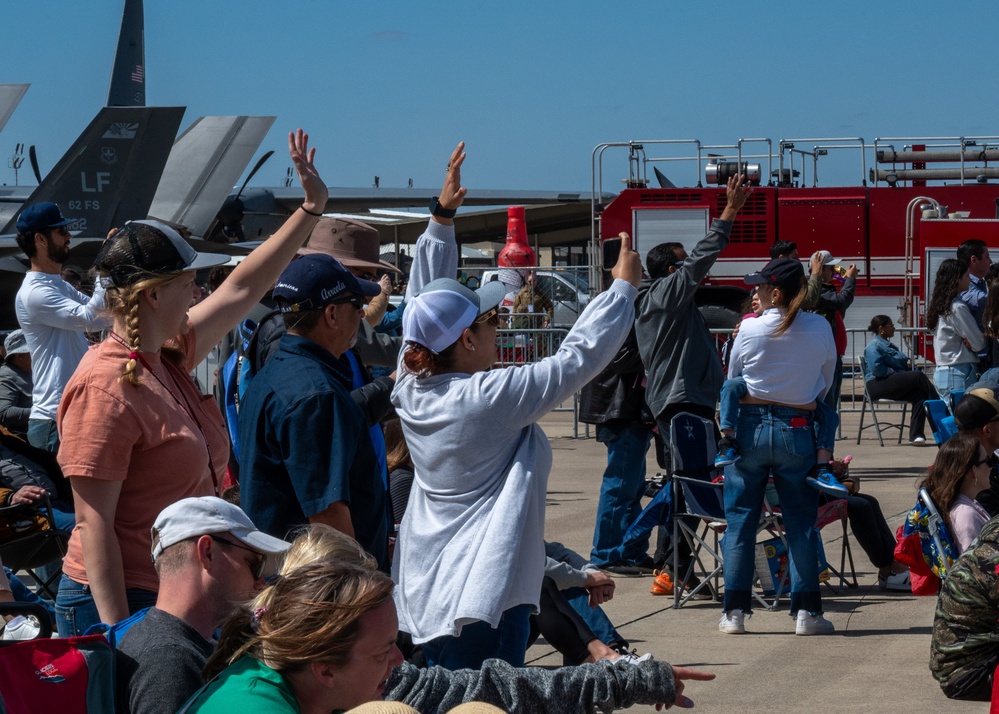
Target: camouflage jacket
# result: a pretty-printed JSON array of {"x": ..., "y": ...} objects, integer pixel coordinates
[{"x": 965, "y": 647}]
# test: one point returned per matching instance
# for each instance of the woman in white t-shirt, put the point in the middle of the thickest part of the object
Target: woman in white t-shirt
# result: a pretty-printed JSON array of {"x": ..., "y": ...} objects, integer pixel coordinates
[
  {"x": 787, "y": 358},
  {"x": 957, "y": 338}
]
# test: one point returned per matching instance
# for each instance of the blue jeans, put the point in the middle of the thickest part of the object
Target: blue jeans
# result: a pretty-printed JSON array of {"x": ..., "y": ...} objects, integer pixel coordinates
[
  {"x": 42, "y": 434},
  {"x": 76, "y": 610},
  {"x": 620, "y": 493},
  {"x": 594, "y": 617},
  {"x": 734, "y": 389},
  {"x": 479, "y": 642},
  {"x": 953, "y": 378},
  {"x": 778, "y": 441}
]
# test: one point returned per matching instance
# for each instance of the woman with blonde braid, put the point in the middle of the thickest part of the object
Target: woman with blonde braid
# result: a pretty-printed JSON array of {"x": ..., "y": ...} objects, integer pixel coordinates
[{"x": 137, "y": 433}]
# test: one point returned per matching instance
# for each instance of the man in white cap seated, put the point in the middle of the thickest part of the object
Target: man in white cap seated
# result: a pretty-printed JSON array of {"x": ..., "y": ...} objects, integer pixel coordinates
[{"x": 208, "y": 556}]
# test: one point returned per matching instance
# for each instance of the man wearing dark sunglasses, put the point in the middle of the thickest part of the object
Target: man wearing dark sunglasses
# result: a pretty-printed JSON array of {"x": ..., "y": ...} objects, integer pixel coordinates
[
  {"x": 306, "y": 453},
  {"x": 53, "y": 314},
  {"x": 208, "y": 556}
]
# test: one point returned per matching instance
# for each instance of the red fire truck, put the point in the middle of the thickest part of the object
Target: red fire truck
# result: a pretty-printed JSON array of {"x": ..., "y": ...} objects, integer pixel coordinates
[{"x": 919, "y": 200}]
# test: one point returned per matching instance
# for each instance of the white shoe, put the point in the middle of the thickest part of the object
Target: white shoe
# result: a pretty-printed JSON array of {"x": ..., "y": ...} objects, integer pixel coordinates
[
  {"x": 21, "y": 628},
  {"x": 733, "y": 623},
  {"x": 634, "y": 658},
  {"x": 809, "y": 624},
  {"x": 897, "y": 581},
  {"x": 918, "y": 441}
]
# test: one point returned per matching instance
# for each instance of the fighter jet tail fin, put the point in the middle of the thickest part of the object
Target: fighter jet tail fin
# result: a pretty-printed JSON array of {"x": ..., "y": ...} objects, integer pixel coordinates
[{"x": 110, "y": 173}]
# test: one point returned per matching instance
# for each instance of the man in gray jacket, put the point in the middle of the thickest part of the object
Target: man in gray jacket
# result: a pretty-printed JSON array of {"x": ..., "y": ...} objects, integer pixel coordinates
[
  {"x": 683, "y": 370},
  {"x": 680, "y": 357}
]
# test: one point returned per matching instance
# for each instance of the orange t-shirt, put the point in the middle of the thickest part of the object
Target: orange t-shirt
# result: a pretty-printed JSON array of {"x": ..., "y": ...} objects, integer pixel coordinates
[{"x": 144, "y": 436}]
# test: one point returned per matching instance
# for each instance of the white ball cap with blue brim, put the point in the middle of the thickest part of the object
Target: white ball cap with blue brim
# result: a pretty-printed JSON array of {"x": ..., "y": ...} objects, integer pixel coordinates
[{"x": 443, "y": 309}]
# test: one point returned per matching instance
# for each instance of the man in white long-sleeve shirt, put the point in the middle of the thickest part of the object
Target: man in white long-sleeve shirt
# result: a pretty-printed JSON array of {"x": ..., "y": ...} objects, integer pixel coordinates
[{"x": 54, "y": 316}]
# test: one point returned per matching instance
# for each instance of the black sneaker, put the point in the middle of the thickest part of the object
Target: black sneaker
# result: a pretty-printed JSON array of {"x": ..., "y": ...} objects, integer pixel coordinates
[
  {"x": 624, "y": 567},
  {"x": 728, "y": 452}
]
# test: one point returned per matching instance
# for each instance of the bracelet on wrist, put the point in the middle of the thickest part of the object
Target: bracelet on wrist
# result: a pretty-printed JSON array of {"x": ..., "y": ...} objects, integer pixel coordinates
[
  {"x": 311, "y": 213},
  {"x": 438, "y": 210}
]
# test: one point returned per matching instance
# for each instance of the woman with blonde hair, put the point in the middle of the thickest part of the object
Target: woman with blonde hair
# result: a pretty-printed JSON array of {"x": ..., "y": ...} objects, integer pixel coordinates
[
  {"x": 320, "y": 638},
  {"x": 959, "y": 473},
  {"x": 137, "y": 433}
]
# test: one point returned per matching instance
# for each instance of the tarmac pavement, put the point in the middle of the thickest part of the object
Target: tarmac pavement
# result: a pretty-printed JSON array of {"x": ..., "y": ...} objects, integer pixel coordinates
[{"x": 877, "y": 661}]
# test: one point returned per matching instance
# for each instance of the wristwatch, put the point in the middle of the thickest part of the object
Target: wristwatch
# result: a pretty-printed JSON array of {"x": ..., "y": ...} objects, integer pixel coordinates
[{"x": 438, "y": 210}]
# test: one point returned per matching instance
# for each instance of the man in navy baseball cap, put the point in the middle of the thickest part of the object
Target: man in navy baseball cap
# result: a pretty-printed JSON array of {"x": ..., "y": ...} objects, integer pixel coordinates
[
  {"x": 53, "y": 314},
  {"x": 41, "y": 217},
  {"x": 305, "y": 448}
]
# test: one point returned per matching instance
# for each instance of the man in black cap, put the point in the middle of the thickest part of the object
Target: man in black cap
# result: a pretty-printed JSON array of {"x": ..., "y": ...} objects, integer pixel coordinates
[
  {"x": 53, "y": 314},
  {"x": 978, "y": 413},
  {"x": 305, "y": 448}
]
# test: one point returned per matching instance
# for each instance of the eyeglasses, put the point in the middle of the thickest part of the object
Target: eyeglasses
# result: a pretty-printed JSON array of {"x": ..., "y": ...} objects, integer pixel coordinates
[
  {"x": 356, "y": 301},
  {"x": 60, "y": 230},
  {"x": 257, "y": 566}
]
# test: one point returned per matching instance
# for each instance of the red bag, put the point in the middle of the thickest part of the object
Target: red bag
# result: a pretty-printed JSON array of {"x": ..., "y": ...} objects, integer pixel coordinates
[
  {"x": 909, "y": 551},
  {"x": 70, "y": 676}
]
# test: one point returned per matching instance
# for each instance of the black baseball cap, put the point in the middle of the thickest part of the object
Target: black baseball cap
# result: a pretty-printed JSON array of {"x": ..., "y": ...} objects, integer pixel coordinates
[{"x": 780, "y": 272}]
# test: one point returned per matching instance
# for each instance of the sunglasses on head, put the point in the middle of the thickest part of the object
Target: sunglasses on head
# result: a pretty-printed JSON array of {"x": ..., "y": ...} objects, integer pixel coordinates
[
  {"x": 490, "y": 316},
  {"x": 257, "y": 566}
]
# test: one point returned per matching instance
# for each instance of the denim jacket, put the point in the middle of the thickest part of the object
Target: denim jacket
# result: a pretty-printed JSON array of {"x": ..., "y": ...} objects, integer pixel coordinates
[{"x": 883, "y": 358}]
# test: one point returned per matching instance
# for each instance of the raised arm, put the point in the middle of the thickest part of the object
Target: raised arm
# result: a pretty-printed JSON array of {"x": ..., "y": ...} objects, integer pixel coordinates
[
  {"x": 220, "y": 311},
  {"x": 436, "y": 254},
  {"x": 528, "y": 393},
  {"x": 53, "y": 308}
]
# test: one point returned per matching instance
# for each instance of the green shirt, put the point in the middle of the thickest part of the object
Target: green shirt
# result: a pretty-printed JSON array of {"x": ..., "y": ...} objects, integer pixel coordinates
[{"x": 247, "y": 685}]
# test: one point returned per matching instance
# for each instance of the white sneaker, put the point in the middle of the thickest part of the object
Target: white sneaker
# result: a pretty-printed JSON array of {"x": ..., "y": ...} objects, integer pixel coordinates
[
  {"x": 21, "y": 628},
  {"x": 809, "y": 624},
  {"x": 733, "y": 623},
  {"x": 634, "y": 658},
  {"x": 897, "y": 581},
  {"x": 918, "y": 441}
]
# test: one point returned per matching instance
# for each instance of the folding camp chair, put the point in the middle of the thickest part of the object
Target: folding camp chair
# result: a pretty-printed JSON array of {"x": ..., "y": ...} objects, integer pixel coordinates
[
  {"x": 34, "y": 541},
  {"x": 699, "y": 510},
  {"x": 829, "y": 513},
  {"x": 941, "y": 421},
  {"x": 873, "y": 404},
  {"x": 946, "y": 553}
]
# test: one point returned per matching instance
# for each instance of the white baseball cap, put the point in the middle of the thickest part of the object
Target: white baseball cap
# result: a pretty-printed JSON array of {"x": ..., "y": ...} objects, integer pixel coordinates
[
  {"x": 444, "y": 308},
  {"x": 193, "y": 517}
]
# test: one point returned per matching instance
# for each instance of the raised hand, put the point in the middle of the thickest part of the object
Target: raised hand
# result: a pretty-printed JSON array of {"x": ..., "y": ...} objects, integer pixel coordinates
[
  {"x": 453, "y": 193},
  {"x": 736, "y": 192},
  {"x": 629, "y": 264},
  {"x": 303, "y": 157}
]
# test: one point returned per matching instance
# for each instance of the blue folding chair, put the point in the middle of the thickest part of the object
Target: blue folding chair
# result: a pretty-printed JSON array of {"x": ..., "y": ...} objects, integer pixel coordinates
[{"x": 941, "y": 421}]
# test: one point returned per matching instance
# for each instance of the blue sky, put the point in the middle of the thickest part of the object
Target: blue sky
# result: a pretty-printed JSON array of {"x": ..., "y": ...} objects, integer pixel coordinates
[{"x": 388, "y": 88}]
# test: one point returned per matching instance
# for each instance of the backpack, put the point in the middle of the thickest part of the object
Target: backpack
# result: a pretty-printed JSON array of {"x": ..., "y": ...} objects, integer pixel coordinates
[{"x": 237, "y": 373}]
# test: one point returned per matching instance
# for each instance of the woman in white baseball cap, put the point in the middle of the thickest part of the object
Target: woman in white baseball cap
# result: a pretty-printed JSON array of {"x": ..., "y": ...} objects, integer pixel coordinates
[
  {"x": 470, "y": 555},
  {"x": 137, "y": 433}
]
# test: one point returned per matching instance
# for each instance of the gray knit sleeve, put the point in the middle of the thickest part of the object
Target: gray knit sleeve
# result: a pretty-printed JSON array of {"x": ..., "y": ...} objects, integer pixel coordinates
[{"x": 599, "y": 687}]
